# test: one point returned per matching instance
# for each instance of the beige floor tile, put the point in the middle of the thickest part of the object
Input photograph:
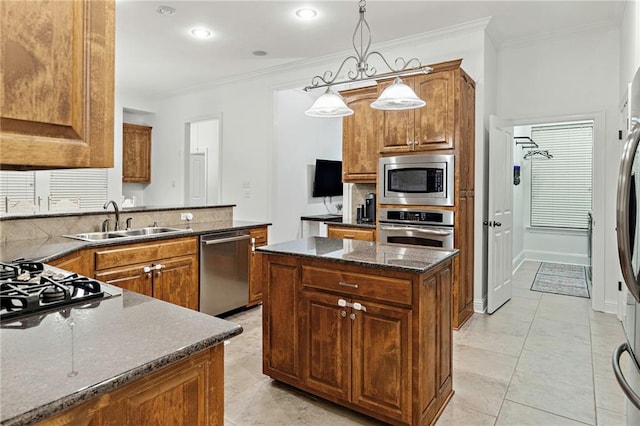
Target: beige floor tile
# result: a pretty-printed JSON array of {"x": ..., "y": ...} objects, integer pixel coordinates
[
  {"x": 526, "y": 293},
  {"x": 557, "y": 366},
  {"x": 512, "y": 414},
  {"x": 478, "y": 392},
  {"x": 609, "y": 395},
  {"x": 568, "y": 347},
  {"x": 546, "y": 393},
  {"x": 602, "y": 364},
  {"x": 494, "y": 342},
  {"x": 482, "y": 362},
  {"x": 542, "y": 326},
  {"x": 564, "y": 308},
  {"x": 610, "y": 418},
  {"x": 457, "y": 413},
  {"x": 605, "y": 344},
  {"x": 267, "y": 403},
  {"x": 323, "y": 413}
]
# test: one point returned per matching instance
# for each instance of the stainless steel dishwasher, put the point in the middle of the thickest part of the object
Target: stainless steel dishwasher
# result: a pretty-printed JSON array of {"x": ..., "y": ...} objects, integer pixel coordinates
[{"x": 224, "y": 271}]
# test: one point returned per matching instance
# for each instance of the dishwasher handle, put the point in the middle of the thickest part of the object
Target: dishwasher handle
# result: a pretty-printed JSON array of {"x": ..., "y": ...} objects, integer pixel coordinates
[{"x": 225, "y": 240}]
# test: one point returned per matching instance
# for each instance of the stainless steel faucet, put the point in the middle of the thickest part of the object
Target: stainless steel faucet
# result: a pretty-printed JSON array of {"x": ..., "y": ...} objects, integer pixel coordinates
[{"x": 116, "y": 226}]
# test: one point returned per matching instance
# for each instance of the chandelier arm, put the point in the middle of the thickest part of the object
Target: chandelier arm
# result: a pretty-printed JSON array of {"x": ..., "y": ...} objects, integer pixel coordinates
[
  {"x": 328, "y": 78},
  {"x": 401, "y": 63},
  {"x": 422, "y": 70}
]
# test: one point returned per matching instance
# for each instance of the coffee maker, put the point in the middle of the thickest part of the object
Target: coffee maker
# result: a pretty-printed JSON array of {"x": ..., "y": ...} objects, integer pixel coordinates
[{"x": 369, "y": 211}]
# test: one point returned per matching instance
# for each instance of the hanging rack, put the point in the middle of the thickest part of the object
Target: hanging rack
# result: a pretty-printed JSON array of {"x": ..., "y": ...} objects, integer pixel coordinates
[
  {"x": 527, "y": 142},
  {"x": 541, "y": 152}
]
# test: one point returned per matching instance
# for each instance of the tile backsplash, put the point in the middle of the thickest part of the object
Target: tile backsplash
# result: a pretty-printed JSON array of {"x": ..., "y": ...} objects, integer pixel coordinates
[{"x": 24, "y": 228}]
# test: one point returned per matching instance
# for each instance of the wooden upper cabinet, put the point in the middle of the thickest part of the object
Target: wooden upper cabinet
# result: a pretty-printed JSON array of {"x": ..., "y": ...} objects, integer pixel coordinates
[
  {"x": 427, "y": 128},
  {"x": 57, "y": 77},
  {"x": 361, "y": 136},
  {"x": 136, "y": 153}
]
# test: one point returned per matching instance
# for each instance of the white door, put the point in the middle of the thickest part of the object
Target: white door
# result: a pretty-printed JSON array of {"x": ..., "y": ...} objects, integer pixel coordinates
[
  {"x": 500, "y": 215},
  {"x": 197, "y": 179}
]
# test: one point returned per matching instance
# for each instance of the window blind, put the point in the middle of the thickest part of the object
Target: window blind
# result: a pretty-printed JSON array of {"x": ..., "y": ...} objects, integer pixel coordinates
[
  {"x": 16, "y": 187},
  {"x": 561, "y": 187},
  {"x": 86, "y": 187}
]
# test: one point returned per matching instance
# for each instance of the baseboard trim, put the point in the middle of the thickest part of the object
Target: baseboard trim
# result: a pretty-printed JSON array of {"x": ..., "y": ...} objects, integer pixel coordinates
[
  {"x": 549, "y": 256},
  {"x": 480, "y": 306},
  {"x": 517, "y": 261},
  {"x": 611, "y": 307}
]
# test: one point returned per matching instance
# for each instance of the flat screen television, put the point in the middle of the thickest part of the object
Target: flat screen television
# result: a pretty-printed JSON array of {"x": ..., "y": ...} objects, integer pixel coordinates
[{"x": 327, "y": 179}]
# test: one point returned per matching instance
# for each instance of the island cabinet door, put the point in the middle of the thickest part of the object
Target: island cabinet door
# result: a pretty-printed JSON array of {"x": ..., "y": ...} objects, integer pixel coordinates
[
  {"x": 133, "y": 278},
  {"x": 381, "y": 344},
  {"x": 326, "y": 345},
  {"x": 280, "y": 319},
  {"x": 176, "y": 281}
]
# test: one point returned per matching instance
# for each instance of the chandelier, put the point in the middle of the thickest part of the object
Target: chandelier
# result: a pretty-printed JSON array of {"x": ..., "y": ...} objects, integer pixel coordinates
[{"x": 397, "y": 96}]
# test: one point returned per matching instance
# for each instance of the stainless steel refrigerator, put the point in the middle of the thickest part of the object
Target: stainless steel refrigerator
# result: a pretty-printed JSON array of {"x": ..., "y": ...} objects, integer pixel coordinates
[{"x": 627, "y": 367}]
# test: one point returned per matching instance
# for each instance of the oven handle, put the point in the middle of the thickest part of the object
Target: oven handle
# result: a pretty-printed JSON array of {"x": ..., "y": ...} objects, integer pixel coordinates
[
  {"x": 622, "y": 381},
  {"x": 424, "y": 231}
]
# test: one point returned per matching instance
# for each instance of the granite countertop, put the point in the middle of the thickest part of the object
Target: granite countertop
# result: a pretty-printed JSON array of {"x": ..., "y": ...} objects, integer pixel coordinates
[
  {"x": 48, "y": 249},
  {"x": 323, "y": 218},
  {"x": 364, "y": 253},
  {"x": 54, "y": 361},
  {"x": 352, "y": 224}
]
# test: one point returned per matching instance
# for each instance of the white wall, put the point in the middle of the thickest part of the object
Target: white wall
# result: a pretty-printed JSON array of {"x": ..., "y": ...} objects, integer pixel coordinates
[
  {"x": 564, "y": 75},
  {"x": 298, "y": 141},
  {"x": 629, "y": 43}
]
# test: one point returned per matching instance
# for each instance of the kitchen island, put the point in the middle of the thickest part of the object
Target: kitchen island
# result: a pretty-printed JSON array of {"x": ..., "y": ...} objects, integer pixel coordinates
[
  {"x": 363, "y": 324},
  {"x": 126, "y": 359}
]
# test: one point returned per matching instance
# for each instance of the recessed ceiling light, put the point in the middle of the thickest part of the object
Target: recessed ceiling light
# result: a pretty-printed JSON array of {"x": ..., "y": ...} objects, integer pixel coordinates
[
  {"x": 259, "y": 53},
  {"x": 166, "y": 10},
  {"x": 306, "y": 13},
  {"x": 201, "y": 33}
]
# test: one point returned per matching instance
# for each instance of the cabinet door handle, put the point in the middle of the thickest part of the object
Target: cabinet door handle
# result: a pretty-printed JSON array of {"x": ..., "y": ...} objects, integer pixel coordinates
[
  {"x": 348, "y": 237},
  {"x": 352, "y": 316},
  {"x": 344, "y": 284},
  {"x": 159, "y": 266},
  {"x": 146, "y": 269},
  {"x": 158, "y": 273},
  {"x": 149, "y": 275},
  {"x": 342, "y": 303},
  {"x": 409, "y": 143},
  {"x": 358, "y": 307},
  {"x": 343, "y": 314}
]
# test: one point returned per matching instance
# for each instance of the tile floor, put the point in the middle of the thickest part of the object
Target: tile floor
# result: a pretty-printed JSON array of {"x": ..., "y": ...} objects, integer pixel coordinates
[{"x": 541, "y": 359}]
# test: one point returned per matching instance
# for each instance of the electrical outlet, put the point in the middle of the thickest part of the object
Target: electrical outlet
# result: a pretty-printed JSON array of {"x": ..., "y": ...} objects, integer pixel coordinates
[{"x": 186, "y": 216}]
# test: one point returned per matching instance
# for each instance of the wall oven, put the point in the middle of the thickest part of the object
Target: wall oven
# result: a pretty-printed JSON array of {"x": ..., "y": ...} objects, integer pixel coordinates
[
  {"x": 421, "y": 180},
  {"x": 420, "y": 227}
]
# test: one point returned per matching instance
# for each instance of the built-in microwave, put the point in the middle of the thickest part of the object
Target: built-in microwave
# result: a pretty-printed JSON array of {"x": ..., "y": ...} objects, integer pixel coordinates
[{"x": 421, "y": 180}]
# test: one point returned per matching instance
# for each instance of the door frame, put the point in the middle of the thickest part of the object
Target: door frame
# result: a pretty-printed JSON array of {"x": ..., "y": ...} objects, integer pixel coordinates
[
  {"x": 598, "y": 273},
  {"x": 187, "y": 150}
]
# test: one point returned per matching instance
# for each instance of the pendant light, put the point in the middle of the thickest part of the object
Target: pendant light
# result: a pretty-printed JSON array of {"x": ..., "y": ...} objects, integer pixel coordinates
[
  {"x": 397, "y": 96},
  {"x": 330, "y": 104}
]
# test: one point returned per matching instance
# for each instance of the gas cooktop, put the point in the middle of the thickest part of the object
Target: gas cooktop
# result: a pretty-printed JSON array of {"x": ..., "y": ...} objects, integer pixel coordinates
[{"x": 29, "y": 288}]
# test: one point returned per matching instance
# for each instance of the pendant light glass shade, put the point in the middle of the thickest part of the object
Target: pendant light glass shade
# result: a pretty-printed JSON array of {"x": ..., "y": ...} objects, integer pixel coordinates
[
  {"x": 398, "y": 96},
  {"x": 330, "y": 104}
]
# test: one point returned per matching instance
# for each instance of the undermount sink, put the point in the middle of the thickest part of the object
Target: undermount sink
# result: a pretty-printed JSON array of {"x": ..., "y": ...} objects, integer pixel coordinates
[{"x": 129, "y": 233}]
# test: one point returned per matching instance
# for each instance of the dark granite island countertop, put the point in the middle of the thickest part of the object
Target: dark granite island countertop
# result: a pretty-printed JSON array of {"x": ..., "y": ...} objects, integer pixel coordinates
[
  {"x": 364, "y": 253},
  {"x": 59, "y": 360}
]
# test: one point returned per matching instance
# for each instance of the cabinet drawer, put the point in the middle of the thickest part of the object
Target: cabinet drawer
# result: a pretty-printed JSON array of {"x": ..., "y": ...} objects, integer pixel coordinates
[
  {"x": 260, "y": 236},
  {"x": 131, "y": 254},
  {"x": 351, "y": 233},
  {"x": 369, "y": 286}
]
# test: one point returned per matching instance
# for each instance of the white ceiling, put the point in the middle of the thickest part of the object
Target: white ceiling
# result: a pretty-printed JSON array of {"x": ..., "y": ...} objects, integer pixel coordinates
[{"x": 155, "y": 54}]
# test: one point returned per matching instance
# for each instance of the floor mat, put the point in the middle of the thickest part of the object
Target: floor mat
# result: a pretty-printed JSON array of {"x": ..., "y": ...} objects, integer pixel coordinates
[{"x": 558, "y": 278}]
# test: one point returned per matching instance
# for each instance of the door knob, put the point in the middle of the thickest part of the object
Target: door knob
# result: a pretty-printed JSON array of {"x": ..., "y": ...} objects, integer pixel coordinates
[{"x": 497, "y": 224}]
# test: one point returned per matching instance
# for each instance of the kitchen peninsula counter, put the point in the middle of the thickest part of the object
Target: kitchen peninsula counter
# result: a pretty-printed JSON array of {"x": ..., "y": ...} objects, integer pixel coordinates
[
  {"x": 51, "y": 248},
  {"x": 56, "y": 361},
  {"x": 363, "y": 324}
]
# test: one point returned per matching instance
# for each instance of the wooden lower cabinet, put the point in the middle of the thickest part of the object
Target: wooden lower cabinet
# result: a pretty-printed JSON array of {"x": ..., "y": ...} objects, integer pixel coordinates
[
  {"x": 190, "y": 392},
  {"x": 259, "y": 237},
  {"x": 166, "y": 270},
  {"x": 78, "y": 262},
  {"x": 350, "y": 233},
  {"x": 358, "y": 342}
]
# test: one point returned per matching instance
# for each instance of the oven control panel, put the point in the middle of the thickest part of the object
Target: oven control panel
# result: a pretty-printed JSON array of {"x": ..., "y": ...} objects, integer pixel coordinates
[{"x": 417, "y": 216}]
